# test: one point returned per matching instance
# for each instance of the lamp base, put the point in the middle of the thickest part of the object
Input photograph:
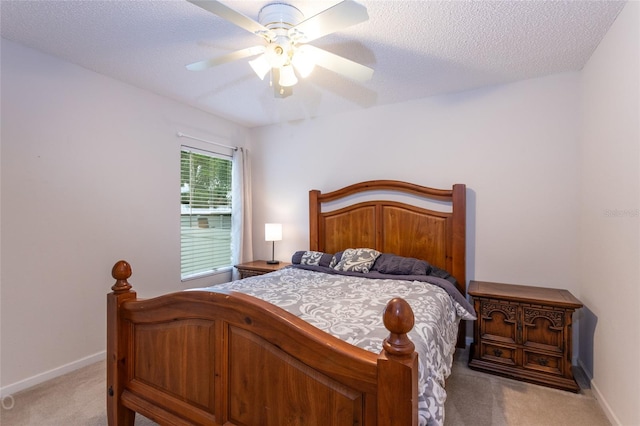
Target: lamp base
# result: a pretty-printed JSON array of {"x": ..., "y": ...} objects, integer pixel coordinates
[{"x": 272, "y": 262}]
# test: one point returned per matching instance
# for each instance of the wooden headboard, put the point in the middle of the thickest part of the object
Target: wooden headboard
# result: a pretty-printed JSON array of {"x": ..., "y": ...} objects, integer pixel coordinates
[{"x": 392, "y": 226}]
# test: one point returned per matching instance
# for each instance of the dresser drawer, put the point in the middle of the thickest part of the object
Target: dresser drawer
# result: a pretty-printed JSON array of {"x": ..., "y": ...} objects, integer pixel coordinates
[
  {"x": 491, "y": 351},
  {"x": 550, "y": 364}
]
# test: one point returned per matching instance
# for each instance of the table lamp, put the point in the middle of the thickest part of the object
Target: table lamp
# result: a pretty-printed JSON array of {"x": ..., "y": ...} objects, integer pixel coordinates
[{"x": 273, "y": 233}]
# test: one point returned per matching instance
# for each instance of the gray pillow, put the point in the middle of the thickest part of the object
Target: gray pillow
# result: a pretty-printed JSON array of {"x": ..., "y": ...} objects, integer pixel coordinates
[
  {"x": 388, "y": 263},
  {"x": 336, "y": 258}
]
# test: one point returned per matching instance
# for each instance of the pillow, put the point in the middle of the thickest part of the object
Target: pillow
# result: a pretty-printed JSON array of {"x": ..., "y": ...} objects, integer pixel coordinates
[
  {"x": 388, "y": 263},
  {"x": 313, "y": 258},
  {"x": 336, "y": 258},
  {"x": 441, "y": 273},
  {"x": 357, "y": 260}
]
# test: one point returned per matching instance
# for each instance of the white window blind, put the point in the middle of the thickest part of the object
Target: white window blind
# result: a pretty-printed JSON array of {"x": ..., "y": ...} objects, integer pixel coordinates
[{"x": 205, "y": 219}]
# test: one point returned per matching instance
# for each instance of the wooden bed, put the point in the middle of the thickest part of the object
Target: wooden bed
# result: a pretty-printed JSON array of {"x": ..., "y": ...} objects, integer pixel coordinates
[{"x": 187, "y": 357}]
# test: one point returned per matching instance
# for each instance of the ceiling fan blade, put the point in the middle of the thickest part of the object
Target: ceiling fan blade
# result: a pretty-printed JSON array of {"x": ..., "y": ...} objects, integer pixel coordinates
[
  {"x": 229, "y": 57},
  {"x": 335, "y": 63},
  {"x": 336, "y": 18},
  {"x": 235, "y": 17}
]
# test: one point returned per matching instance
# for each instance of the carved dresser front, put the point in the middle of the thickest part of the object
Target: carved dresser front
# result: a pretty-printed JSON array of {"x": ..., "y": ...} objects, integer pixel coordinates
[{"x": 524, "y": 333}]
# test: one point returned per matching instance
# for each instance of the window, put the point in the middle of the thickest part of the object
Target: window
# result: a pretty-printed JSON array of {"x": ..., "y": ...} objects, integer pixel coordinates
[{"x": 205, "y": 217}]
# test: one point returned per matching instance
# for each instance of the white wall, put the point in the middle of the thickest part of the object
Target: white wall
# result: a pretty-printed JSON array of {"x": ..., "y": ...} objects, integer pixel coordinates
[
  {"x": 514, "y": 147},
  {"x": 610, "y": 218},
  {"x": 90, "y": 175}
]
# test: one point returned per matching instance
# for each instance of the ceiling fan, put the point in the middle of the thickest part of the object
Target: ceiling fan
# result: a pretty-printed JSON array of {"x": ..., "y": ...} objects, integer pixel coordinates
[{"x": 286, "y": 33}]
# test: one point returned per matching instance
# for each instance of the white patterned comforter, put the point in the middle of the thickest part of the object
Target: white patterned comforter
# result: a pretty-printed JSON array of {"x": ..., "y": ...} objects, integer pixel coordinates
[{"x": 351, "y": 308}]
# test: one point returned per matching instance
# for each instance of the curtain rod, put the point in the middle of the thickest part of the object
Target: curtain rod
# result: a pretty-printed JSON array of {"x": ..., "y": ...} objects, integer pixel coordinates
[{"x": 182, "y": 135}]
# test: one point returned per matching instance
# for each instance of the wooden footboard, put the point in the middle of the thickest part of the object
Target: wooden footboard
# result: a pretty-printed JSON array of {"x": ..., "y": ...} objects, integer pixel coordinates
[{"x": 212, "y": 358}]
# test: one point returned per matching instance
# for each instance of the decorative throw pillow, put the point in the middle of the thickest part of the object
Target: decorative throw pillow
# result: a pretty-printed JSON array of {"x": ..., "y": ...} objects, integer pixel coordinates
[
  {"x": 316, "y": 258},
  {"x": 357, "y": 260},
  {"x": 312, "y": 258}
]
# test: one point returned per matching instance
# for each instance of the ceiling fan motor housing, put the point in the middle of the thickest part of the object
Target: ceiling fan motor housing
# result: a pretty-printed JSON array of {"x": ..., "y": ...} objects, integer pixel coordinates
[{"x": 280, "y": 17}]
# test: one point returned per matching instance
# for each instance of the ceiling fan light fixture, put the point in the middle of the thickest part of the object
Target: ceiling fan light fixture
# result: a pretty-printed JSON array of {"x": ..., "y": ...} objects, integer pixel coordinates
[
  {"x": 261, "y": 66},
  {"x": 303, "y": 62},
  {"x": 287, "y": 76}
]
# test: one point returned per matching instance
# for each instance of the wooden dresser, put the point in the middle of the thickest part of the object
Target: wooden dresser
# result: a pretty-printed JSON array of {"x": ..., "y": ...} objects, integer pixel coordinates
[
  {"x": 258, "y": 267},
  {"x": 524, "y": 333}
]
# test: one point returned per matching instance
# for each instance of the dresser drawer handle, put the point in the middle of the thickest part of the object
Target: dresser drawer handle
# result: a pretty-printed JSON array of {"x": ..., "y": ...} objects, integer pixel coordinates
[
  {"x": 497, "y": 352},
  {"x": 543, "y": 361}
]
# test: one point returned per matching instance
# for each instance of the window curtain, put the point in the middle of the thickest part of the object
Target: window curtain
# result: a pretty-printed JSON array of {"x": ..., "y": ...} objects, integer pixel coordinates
[{"x": 241, "y": 245}]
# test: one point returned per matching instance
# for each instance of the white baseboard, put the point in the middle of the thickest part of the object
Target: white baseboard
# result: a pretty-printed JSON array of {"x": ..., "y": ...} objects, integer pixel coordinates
[
  {"x": 51, "y": 374},
  {"x": 599, "y": 397}
]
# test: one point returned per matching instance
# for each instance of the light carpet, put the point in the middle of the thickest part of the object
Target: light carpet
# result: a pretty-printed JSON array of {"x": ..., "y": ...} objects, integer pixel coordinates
[{"x": 481, "y": 399}]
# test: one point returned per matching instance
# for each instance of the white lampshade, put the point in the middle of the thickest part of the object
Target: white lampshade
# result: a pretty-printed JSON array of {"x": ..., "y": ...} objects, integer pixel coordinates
[
  {"x": 287, "y": 76},
  {"x": 303, "y": 61},
  {"x": 273, "y": 232},
  {"x": 261, "y": 66}
]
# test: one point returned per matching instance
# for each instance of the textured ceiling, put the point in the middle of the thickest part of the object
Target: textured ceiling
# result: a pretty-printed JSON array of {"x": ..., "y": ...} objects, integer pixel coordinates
[{"x": 416, "y": 48}]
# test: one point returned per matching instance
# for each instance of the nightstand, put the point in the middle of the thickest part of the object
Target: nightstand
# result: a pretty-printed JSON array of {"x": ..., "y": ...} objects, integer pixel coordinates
[
  {"x": 524, "y": 333},
  {"x": 258, "y": 267}
]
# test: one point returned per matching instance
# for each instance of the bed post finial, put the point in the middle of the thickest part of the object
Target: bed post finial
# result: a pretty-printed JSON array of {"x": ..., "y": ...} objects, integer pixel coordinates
[
  {"x": 398, "y": 368},
  {"x": 121, "y": 272},
  {"x": 398, "y": 319}
]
